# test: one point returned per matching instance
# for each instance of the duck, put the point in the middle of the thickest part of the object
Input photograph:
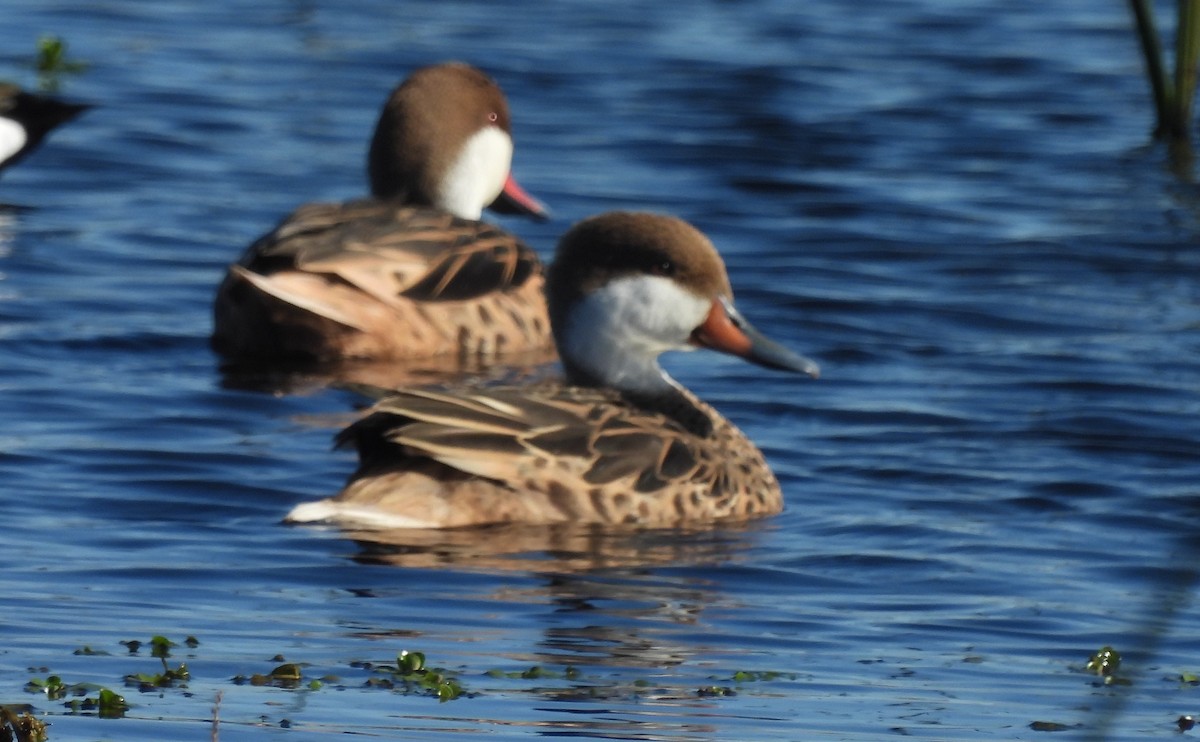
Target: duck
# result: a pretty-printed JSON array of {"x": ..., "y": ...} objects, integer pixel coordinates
[
  {"x": 617, "y": 441},
  {"x": 26, "y": 118},
  {"x": 411, "y": 271}
]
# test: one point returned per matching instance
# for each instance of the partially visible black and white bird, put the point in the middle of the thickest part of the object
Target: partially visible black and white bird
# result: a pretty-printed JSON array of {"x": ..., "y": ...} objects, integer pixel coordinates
[{"x": 26, "y": 118}]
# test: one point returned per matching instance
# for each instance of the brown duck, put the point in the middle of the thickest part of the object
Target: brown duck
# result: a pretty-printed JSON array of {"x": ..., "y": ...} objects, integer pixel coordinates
[
  {"x": 621, "y": 442},
  {"x": 411, "y": 272}
]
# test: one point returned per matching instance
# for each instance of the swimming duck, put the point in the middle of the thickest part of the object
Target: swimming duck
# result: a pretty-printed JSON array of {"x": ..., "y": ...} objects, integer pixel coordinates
[
  {"x": 410, "y": 272},
  {"x": 620, "y": 442},
  {"x": 26, "y": 119}
]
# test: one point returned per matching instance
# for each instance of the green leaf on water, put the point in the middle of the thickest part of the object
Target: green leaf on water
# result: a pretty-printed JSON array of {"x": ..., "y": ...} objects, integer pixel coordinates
[
  {"x": 287, "y": 672},
  {"x": 1105, "y": 661},
  {"x": 160, "y": 646},
  {"x": 410, "y": 662},
  {"x": 111, "y": 705}
]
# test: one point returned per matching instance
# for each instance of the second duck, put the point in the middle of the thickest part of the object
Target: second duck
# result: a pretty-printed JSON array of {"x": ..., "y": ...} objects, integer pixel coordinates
[{"x": 410, "y": 273}]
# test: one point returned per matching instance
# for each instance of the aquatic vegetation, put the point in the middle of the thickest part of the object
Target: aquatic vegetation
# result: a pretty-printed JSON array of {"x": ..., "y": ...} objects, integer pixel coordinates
[
  {"x": 168, "y": 678},
  {"x": 106, "y": 703},
  {"x": 160, "y": 646},
  {"x": 411, "y": 675},
  {"x": 743, "y": 676},
  {"x": 1173, "y": 93},
  {"x": 536, "y": 671},
  {"x": 52, "y": 64},
  {"x": 86, "y": 651},
  {"x": 52, "y": 58},
  {"x": 286, "y": 675},
  {"x": 1105, "y": 662},
  {"x": 52, "y": 686},
  {"x": 589, "y": 687},
  {"x": 18, "y": 724}
]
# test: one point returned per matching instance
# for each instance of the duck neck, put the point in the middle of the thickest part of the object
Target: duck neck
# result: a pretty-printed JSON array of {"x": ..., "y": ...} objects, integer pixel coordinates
[
  {"x": 655, "y": 392},
  {"x": 678, "y": 405}
]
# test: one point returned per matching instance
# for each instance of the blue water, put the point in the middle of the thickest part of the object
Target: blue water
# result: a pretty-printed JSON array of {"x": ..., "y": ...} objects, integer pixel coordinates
[{"x": 955, "y": 207}]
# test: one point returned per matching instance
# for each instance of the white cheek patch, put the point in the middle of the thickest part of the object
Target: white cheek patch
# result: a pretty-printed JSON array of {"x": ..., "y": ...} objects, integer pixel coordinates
[
  {"x": 618, "y": 332},
  {"x": 12, "y": 138},
  {"x": 477, "y": 176}
]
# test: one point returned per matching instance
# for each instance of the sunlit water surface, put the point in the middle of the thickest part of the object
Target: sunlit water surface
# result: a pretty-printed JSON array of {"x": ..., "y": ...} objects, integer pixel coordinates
[{"x": 955, "y": 207}]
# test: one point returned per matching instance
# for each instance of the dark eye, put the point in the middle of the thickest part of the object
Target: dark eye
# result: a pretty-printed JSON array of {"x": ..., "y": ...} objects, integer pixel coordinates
[{"x": 662, "y": 268}]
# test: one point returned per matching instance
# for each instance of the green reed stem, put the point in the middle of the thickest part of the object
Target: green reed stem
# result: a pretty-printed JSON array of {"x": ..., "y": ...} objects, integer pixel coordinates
[
  {"x": 1173, "y": 95},
  {"x": 1187, "y": 50},
  {"x": 1147, "y": 33}
]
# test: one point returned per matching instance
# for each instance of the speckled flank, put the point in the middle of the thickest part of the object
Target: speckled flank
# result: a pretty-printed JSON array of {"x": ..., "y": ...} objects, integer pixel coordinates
[{"x": 572, "y": 454}]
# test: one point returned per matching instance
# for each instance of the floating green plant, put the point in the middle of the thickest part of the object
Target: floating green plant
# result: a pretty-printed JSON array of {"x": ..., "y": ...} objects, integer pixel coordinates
[
  {"x": 1105, "y": 662},
  {"x": 287, "y": 675},
  {"x": 107, "y": 704},
  {"x": 86, "y": 651},
  {"x": 535, "y": 672},
  {"x": 411, "y": 675},
  {"x": 53, "y": 687},
  {"x": 168, "y": 678},
  {"x": 160, "y": 646},
  {"x": 743, "y": 676},
  {"x": 754, "y": 676}
]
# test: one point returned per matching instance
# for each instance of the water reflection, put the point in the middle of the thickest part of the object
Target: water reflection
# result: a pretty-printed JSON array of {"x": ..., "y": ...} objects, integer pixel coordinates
[
  {"x": 372, "y": 378},
  {"x": 563, "y": 549},
  {"x": 615, "y": 626},
  {"x": 8, "y": 228}
]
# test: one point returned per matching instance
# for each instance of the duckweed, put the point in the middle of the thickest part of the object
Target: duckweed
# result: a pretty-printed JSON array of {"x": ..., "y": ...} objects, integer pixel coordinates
[{"x": 410, "y": 673}]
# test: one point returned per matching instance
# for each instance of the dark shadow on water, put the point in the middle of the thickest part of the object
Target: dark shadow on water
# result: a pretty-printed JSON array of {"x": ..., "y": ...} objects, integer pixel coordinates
[{"x": 1169, "y": 601}]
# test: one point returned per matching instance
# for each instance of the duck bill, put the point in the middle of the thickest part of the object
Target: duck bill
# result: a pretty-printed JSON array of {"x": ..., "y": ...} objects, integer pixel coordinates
[
  {"x": 514, "y": 200},
  {"x": 725, "y": 330}
]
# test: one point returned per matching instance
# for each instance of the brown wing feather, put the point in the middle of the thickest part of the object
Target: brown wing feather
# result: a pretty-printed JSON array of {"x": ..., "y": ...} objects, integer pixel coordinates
[
  {"x": 499, "y": 431},
  {"x": 392, "y": 252}
]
